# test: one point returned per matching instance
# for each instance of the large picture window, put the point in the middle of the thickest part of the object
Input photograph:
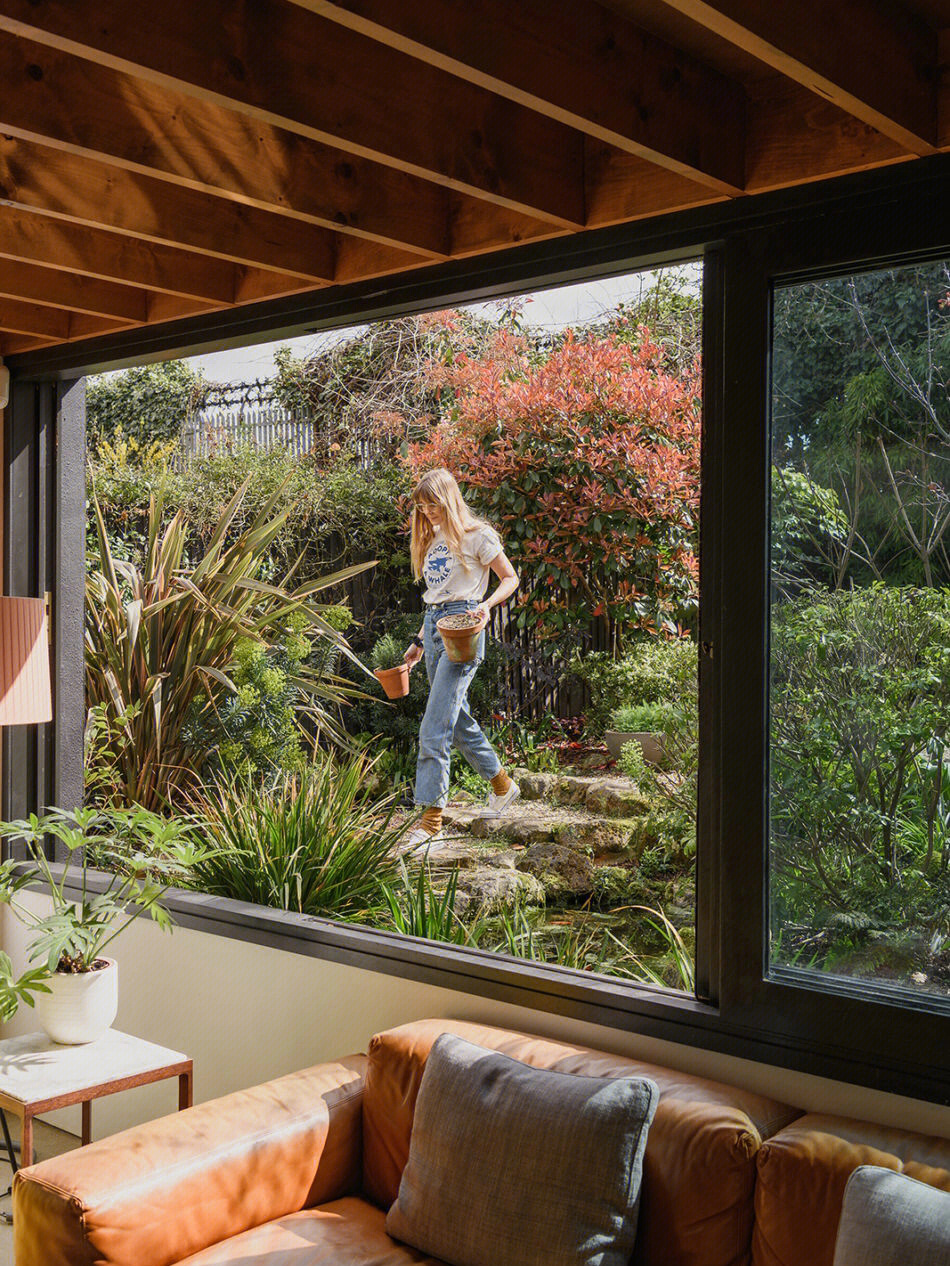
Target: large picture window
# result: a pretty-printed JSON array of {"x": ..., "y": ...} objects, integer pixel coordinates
[
  {"x": 860, "y": 629},
  {"x": 535, "y": 800}
]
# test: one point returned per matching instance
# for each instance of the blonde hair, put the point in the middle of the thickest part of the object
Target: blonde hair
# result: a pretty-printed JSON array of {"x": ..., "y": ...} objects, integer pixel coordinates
[{"x": 438, "y": 487}]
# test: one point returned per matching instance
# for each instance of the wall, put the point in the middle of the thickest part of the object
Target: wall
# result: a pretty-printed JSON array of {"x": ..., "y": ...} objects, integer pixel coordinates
[{"x": 246, "y": 1013}]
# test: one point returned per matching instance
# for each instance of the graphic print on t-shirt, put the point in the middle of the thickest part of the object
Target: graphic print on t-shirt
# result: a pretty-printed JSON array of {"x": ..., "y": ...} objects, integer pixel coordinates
[{"x": 438, "y": 566}]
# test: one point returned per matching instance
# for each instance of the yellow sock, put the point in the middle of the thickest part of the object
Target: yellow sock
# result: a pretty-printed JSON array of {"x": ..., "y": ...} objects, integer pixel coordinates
[
  {"x": 431, "y": 820},
  {"x": 500, "y": 783}
]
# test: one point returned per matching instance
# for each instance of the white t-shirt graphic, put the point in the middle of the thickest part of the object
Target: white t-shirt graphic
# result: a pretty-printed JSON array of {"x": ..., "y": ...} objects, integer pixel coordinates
[{"x": 455, "y": 577}]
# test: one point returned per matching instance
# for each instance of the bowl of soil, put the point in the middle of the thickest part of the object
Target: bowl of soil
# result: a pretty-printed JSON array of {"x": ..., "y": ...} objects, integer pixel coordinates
[
  {"x": 460, "y": 635},
  {"x": 390, "y": 668}
]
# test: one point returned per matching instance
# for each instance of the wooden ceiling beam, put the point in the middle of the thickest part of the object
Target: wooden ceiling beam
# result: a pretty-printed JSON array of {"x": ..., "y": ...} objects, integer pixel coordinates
[
  {"x": 295, "y": 70},
  {"x": 20, "y": 280},
  {"x": 818, "y": 141},
  {"x": 797, "y": 137},
  {"x": 88, "y": 252},
  {"x": 11, "y": 344},
  {"x": 17, "y": 317},
  {"x": 54, "y": 182},
  {"x": 578, "y": 63},
  {"x": 81, "y": 325},
  {"x": 93, "y": 111},
  {"x": 875, "y": 62},
  {"x": 623, "y": 187}
]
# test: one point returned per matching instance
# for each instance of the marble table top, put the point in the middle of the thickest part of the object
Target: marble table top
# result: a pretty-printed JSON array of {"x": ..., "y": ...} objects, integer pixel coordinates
[{"x": 33, "y": 1068}]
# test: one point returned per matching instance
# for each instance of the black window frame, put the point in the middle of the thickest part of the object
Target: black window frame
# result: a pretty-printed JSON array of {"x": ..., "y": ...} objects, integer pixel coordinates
[
  {"x": 892, "y": 1039},
  {"x": 747, "y": 245}
]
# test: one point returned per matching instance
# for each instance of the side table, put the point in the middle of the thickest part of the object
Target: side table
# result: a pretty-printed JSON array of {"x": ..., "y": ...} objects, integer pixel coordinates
[{"x": 38, "y": 1075}]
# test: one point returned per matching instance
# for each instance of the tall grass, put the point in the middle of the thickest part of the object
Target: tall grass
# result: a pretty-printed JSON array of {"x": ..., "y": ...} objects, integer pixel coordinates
[
  {"x": 592, "y": 945},
  {"x": 416, "y": 909},
  {"x": 311, "y": 843}
]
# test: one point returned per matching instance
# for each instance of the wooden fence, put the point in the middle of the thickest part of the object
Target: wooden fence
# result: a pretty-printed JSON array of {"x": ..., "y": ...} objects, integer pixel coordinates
[
  {"x": 531, "y": 678},
  {"x": 267, "y": 425}
]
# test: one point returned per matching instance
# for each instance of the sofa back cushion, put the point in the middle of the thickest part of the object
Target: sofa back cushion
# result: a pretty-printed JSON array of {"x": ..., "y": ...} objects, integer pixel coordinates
[
  {"x": 892, "y": 1220},
  {"x": 699, "y": 1167},
  {"x": 803, "y": 1173}
]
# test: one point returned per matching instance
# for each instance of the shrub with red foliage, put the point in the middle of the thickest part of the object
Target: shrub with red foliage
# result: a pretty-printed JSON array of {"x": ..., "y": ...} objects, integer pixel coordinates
[{"x": 588, "y": 462}]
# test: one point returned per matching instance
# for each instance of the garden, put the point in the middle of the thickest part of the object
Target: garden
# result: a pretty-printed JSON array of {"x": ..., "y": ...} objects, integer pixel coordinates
[{"x": 240, "y": 602}]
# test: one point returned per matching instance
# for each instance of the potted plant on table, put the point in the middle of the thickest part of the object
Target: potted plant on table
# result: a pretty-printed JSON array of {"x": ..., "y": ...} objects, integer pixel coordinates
[
  {"x": 645, "y": 724},
  {"x": 390, "y": 668},
  {"x": 75, "y": 986}
]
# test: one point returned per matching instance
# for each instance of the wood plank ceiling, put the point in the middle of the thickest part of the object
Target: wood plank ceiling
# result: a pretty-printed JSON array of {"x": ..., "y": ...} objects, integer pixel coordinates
[{"x": 164, "y": 158}]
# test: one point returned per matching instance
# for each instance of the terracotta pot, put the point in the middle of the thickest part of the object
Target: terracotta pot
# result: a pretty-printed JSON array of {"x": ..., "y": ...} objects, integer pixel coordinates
[
  {"x": 395, "y": 681},
  {"x": 80, "y": 1006},
  {"x": 460, "y": 644},
  {"x": 650, "y": 744}
]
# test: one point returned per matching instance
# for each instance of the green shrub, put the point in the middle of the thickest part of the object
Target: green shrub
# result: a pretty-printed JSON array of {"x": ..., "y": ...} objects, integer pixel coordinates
[
  {"x": 642, "y": 718},
  {"x": 325, "y": 654},
  {"x": 632, "y": 763},
  {"x": 809, "y": 531},
  {"x": 255, "y": 728},
  {"x": 415, "y": 908},
  {"x": 147, "y": 403},
  {"x": 336, "y": 514},
  {"x": 526, "y": 743},
  {"x": 860, "y": 719},
  {"x": 653, "y": 670},
  {"x": 312, "y": 842}
]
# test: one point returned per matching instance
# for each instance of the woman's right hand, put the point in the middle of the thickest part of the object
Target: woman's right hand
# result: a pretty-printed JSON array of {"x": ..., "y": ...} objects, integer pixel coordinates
[{"x": 413, "y": 655}]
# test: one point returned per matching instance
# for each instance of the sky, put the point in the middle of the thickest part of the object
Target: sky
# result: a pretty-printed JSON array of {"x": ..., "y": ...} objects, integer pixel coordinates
[{"x": 551, "y": 309}]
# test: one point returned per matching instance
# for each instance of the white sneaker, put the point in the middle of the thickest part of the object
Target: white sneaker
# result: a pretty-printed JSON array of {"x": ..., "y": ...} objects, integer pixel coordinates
[
  {"x": 498, "y": 804},
  {"x": 420, "y": 842}
]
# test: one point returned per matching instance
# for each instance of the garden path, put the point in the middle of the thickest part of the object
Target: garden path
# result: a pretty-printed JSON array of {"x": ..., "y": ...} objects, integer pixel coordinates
[{"x": 570, "y": 838}]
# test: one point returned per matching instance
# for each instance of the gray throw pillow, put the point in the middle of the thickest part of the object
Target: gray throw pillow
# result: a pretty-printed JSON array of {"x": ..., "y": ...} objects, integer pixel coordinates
[
  {"x": 517, "y": 1166},
  {"x": 888, "y": 1219}
]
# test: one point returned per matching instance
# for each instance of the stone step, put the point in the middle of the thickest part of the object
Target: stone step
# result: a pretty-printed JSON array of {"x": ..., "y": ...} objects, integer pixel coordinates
[
  {"x": 610, "y": 796},
  {"x": 536, "y": 822},
  {"x": 496, "y": 890},
  {"x": 467, "y": 853}
]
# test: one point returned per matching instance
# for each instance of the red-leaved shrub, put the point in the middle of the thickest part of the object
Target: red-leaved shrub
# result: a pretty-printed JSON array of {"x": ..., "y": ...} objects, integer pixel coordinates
[{"x": 587, "y": 461}]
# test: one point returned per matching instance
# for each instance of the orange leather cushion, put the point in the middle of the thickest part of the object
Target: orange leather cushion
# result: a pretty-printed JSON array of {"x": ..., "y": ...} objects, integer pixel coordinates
[
  {"x": 348, "y": 1232},
  {"x": 699, "y": 1168},
  {"x": 152, "y": 1195},
  {"x": 803, "y": 1171}
]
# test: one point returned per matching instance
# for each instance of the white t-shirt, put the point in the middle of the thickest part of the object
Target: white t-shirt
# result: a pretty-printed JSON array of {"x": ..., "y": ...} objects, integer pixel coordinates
[{"x": 452, "y": 577}]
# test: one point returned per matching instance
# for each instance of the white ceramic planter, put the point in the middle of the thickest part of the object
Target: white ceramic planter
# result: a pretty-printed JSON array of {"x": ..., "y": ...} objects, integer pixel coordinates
[{"x": 79, "y": 1007}]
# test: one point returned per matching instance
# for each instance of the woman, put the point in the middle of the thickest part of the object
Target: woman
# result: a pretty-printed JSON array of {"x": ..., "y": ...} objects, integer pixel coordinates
[{"x": 453, "y": 552}]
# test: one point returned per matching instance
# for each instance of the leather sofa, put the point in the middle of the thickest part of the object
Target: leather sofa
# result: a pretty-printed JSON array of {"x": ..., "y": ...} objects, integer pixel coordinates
[{"x": 300, "y": 1171}]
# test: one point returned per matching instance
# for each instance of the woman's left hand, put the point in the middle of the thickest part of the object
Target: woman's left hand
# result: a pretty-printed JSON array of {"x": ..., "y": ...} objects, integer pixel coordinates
[{"x": 483, "y": 611}]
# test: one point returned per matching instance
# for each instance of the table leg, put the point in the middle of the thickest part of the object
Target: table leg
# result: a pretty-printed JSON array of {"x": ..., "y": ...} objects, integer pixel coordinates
[
  {"x": 184, "y": 1091},
  {"x": 26, "y": 1141},
  {"x": 86, "y": 1121},
  {"x": 8, "y": 1142}
]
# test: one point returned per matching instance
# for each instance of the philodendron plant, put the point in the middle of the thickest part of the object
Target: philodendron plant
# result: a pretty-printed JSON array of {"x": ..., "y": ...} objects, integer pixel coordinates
[{"x": 141, "y": 854}]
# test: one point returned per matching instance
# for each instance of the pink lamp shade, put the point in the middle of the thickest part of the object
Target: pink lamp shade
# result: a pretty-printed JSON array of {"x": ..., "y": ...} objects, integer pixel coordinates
[{"x": 24, "y": 662}]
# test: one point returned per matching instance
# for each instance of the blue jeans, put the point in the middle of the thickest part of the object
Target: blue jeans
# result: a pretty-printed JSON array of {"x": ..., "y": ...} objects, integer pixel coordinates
[{"x": 447, "y": 720}]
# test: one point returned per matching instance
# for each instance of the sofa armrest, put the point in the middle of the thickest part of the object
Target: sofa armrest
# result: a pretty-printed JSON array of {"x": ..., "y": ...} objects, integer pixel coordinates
[{"x": 164, "y": 1190}]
